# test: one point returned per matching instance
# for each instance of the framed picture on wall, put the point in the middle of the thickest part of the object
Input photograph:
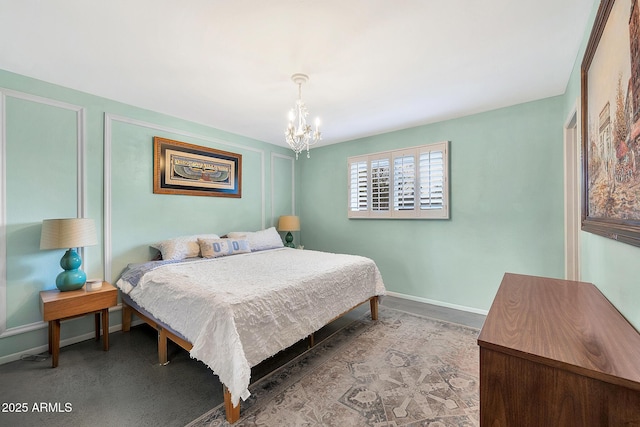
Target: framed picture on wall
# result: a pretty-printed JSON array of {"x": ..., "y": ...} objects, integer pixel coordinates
[
  {"x": 193, "y": 170},
  {"x": 610, "y": 83}
]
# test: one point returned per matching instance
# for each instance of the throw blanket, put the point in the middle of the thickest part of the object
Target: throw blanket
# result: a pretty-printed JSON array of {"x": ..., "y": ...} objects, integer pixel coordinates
[{"x": 241, "y": 309}]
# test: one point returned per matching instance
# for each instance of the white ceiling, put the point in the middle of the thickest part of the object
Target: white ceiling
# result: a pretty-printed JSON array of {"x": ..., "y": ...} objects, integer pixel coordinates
[{"x": 374, "y": 65}]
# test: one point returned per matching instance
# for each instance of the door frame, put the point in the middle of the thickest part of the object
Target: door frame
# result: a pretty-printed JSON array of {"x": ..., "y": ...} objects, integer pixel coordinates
[{"x": 572, "y": 193}]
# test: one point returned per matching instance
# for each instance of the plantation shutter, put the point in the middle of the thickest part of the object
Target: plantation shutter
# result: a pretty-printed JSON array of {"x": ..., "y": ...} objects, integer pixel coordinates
[
  {"x": 404, "y": 183},
  {"x": 431, "y": 179},
  {"x": 358, "y": 185},
  {"x": 380, "y": 185}
]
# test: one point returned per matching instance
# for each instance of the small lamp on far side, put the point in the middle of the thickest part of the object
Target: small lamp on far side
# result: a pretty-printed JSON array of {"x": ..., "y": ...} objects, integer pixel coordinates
[
  {"x": 289, "y": 223},
  {"x": 69, "y": 233}
]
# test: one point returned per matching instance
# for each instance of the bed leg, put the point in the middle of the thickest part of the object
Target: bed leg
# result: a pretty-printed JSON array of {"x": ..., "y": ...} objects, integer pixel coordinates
[
  {"x": 126, "y": 317},
  {"x": 312, "y": 340},
  {"x": 232, "y": 412},
  {"x": 373, "y": 302},
  {"x": 162, "y": 347}
]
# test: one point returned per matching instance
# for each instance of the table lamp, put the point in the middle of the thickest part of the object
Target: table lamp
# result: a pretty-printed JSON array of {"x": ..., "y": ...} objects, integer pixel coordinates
[
  {"x": 69, "y": 233},
  {"x": 289, "y": 223}
]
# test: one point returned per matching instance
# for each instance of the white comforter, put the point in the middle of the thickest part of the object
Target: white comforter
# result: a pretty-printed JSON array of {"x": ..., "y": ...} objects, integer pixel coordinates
[{"x": 241, "y": 309}]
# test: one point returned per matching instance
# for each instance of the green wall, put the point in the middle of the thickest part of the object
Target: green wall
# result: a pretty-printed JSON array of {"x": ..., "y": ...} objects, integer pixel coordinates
[
  {"x": 506, "y": 183},
  {"x": 610, "y": 265},
  {"x": 506, "y": 209},
  {"x": 68, "y": 153}
]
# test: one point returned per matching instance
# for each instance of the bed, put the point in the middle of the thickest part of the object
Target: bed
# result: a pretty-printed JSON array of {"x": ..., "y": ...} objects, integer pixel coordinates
[{"x": 245, "y": 306}]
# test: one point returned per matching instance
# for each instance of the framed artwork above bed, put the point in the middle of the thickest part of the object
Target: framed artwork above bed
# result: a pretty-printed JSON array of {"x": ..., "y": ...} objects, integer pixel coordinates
[{"x": 193, "y": 170}]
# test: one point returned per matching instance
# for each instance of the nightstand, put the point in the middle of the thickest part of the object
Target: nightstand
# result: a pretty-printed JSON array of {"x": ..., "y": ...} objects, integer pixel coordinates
[{"x": 57, "y": 306}]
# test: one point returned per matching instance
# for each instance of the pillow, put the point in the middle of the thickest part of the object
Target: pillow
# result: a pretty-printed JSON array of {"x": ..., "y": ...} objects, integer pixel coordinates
[
  {"x": 259, "y": 240},
  {"x": 181, "y": 247},
  {"x": 214, "y": 248}
]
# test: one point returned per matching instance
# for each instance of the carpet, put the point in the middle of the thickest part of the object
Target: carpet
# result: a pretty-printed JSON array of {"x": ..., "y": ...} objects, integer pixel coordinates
[{"x": 403, "y": 370}]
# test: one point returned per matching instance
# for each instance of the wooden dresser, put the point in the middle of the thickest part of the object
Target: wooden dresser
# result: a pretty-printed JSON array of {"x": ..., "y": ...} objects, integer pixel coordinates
[{"x": 556, "y": 353}]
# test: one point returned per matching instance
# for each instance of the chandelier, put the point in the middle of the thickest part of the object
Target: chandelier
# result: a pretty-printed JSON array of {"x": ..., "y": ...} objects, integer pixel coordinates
[{"x": 298, "y": 134}]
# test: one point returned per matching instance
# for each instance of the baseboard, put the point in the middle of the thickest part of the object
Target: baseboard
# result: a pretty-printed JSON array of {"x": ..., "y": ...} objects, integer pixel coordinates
[
  {"x": 115, "y": 328},
  {"x": 438, "y": 303},
  {"x": 68, "y": 341}
]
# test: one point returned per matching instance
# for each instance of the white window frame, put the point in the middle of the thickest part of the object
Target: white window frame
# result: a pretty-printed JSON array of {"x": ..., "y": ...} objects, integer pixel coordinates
[{"x": 358, "y": 209}]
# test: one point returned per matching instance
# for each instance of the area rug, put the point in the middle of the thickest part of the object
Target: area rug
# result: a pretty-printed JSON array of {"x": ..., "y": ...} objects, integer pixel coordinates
[{"x": 402, "y": 370}]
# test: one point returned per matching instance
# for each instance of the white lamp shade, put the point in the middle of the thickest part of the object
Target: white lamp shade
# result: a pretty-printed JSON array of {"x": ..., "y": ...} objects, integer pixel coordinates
[
  {"x": 289, "y": 223},
  {"x": 68, "y": 233}
]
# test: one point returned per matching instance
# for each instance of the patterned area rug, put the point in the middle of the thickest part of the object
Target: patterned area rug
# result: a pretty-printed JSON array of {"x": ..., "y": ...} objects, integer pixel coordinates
[{"x": 403, "y": 370}]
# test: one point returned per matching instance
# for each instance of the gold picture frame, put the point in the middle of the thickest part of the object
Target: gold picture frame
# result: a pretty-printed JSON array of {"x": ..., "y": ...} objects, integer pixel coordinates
[
  {"x": 610, "y": 87},
  {"x": 193, "y": 170}
]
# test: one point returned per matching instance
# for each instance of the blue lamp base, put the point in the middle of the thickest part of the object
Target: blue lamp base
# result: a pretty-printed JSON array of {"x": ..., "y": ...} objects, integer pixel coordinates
[
  {"x": 72, "y": 278},
  {"x": 289, "y": 239}
]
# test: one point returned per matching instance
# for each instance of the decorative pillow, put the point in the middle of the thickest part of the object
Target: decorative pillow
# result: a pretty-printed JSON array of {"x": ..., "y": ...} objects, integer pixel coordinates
[
  {"x": 259, "y": 240},
  {"x": 181, "y": 247},
  {"x": 214, "y": 248}
]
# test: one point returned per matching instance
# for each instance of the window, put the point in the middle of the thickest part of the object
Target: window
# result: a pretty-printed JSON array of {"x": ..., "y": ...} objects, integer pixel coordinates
[{"x": 407, "y": 183}]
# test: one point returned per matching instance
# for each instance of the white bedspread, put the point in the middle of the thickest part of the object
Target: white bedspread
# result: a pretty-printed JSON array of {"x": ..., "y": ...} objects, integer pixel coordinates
[{"x": 241, "y": 309}]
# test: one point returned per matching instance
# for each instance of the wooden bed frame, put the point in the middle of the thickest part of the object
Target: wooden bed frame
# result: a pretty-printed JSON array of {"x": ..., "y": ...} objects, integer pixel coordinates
[{"x": 232, "y": 412}]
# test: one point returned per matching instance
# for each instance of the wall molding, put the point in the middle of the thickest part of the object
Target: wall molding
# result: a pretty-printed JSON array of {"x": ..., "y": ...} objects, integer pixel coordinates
[
  {"x": 107, "y": 217},
  {"x": 82, "y": 208},
  {"x": 81, "y": 188},
  {"x": 275, "y": 156}
]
